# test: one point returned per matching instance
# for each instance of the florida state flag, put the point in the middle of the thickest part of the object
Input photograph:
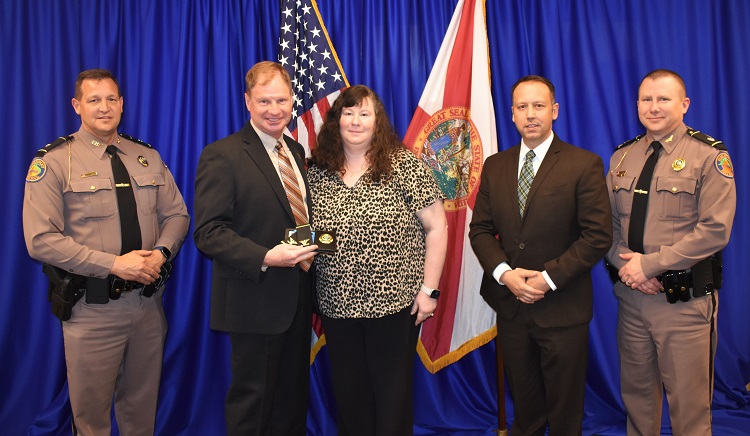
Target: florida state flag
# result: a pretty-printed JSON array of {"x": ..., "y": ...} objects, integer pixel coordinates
[{"x": 453, "y": 131}]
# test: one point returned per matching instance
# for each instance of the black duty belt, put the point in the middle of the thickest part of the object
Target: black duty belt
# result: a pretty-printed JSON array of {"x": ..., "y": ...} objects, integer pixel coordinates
[
  {"x": 100, "y": 291},
  {"x": 701, "y": 279},
  {"x": 119, "y": 286}
]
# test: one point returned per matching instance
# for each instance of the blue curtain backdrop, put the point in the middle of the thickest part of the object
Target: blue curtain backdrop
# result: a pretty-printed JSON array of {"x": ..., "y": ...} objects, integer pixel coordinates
[{"x": 181, "y": 66}]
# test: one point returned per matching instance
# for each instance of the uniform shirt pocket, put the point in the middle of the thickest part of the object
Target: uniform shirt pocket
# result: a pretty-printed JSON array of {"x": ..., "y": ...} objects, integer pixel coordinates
[
  {"x": 91, "y": 198},
  {"x": 147, "y": 191},
  {"x": 677, "y": 197},
  {"x": 623, "y": 189}
]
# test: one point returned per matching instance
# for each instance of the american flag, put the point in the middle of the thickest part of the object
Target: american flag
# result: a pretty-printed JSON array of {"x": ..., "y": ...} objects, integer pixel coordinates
[{"x": 306, "y": 52}]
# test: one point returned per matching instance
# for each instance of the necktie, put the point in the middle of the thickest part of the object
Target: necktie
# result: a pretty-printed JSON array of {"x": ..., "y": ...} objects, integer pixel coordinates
[
  {"x": 524, "y": 180},
  {"x": 640, "y": 201},
  {"x": 293, "y": 194},
  {"x": 130, "y": 230}
]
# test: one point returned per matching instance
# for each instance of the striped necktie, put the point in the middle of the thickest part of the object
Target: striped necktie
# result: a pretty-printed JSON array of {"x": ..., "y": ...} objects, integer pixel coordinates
[
  {"x": 524, "y": 181},
  {"x": 293, "y": 193}
]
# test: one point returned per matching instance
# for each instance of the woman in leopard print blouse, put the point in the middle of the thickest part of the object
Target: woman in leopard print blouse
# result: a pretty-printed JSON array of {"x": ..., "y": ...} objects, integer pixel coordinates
[{"x": 392, "y": 236}]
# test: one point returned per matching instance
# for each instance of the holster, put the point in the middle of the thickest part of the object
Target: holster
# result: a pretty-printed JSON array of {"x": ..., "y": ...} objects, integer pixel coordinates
[{"x": 64, "y": 291}]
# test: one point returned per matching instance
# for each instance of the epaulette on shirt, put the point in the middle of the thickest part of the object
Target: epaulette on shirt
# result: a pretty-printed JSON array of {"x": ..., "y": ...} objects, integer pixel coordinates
[
  {"x": 706, "y": 139},
  {"x": 61, "y": 140},
  {"x": 137, "y": 141},
  {"x": 630, "y": 141}
]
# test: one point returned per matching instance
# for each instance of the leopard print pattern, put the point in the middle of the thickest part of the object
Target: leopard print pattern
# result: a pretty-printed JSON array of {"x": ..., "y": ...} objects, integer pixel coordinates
[{"x": 379, "y": 265}]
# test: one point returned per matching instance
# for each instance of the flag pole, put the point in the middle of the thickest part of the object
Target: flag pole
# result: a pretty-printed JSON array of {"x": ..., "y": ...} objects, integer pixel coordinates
[{"x": 502, "y": 429}]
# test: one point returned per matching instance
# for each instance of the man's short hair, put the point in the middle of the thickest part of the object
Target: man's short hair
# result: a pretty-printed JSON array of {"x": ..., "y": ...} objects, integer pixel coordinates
[
  {"x": 97, "y": 74},
  {"x": 263, "y": 72}
]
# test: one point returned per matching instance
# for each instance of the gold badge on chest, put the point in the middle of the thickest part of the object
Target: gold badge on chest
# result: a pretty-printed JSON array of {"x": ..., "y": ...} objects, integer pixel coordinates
[{"x": 678, "y": 164}]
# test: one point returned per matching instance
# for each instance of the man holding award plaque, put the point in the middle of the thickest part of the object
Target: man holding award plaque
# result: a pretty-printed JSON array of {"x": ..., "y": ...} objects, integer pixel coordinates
[{"x": 249, "y": 188}]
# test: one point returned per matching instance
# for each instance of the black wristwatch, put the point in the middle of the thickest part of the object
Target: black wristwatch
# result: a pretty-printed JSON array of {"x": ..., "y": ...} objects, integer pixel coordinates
[
  {"x": 433, "y": 293},
  {"x": 165, "y": 251}
]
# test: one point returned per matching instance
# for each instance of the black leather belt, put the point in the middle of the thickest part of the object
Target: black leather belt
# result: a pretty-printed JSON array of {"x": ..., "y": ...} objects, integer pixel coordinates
[
  {"x": 119, "y": 286},
  {"x": 701, "y": 279}
]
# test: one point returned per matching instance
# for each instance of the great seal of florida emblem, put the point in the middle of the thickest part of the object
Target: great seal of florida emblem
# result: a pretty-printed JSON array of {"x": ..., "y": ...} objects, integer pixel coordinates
[{"x": 451, "y": 146}]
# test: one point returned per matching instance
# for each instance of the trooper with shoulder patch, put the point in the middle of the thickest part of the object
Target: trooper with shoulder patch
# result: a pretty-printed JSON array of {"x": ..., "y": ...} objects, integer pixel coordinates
[
  {"x": 673, "y": 200},
  {"x": 103, "y": 214}
]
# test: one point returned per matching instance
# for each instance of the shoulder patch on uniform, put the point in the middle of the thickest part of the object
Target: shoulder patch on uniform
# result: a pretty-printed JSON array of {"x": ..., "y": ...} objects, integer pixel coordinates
[
  {"x": 724, "y": 165},
  {"x": 61, "y": 140},
  {"x": 37, "y": 170},
  {"x": 630, "y": 141},
  {"x": 702, "y": 137},
  {"x": 137, "y": 141}
]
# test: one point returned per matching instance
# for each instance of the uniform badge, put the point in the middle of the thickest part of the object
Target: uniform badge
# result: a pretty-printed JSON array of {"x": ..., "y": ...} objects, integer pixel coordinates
[
  {"x": 678, "y": 164},
  {"x": 723, "y": 164},
  {"x": 326, "y": 238},
  {"x": 143, "y": 161},
  {"x": 37, "y": 170},
  {"x": 621, "y": 173}
]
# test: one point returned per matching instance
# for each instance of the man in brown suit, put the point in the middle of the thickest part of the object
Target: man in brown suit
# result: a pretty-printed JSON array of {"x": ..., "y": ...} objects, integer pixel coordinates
[{"x": 540, "y": 222}]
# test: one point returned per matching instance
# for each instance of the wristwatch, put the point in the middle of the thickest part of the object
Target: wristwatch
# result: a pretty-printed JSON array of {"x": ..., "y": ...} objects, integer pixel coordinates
[
  {"x": 433, "y": 293},
  {"x": 165, "y": 251}
]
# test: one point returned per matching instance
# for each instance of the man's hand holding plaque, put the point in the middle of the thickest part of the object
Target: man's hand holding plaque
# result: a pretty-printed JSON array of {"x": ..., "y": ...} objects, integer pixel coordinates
[{"x": 303, "y": 236}]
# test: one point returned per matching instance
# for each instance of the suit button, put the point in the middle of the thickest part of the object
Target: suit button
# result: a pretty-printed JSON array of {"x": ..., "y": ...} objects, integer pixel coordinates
[{"x": 521, "y": 245}]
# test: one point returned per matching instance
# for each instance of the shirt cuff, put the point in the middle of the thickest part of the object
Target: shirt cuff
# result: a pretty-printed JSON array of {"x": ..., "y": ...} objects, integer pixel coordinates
[
  {"x": 549, "y": 280},
  {"x": 500, "y": 270}
]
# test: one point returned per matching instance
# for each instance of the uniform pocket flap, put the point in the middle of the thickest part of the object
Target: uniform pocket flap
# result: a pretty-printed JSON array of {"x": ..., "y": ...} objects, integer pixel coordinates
[
  {"x": 90, "y": 184},
  {"x": 154, "y": 179},
  {"x": 622, "y": 183},
  {"x": 676, "y": 185}
]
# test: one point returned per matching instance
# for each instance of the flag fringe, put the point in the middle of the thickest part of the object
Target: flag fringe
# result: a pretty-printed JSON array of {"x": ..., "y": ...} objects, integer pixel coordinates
[
  {"x": 316, "y": 347},
  {"x": 455, "y": 355}
]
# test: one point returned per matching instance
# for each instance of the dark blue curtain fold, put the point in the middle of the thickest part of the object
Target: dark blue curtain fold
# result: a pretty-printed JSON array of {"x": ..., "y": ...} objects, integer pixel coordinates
[{"x": 181, "y": 67}]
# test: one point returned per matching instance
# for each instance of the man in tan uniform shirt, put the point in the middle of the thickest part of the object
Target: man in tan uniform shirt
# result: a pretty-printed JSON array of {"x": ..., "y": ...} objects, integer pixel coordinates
[
  {"x": 690, "y": 209},
  {"x": 71, "y": 220}
]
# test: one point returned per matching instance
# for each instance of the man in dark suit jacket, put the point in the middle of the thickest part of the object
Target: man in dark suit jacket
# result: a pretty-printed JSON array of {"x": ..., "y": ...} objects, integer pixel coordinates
[
  {"x": 260, "y": 292},
  {"x": 537, "y": 249}
]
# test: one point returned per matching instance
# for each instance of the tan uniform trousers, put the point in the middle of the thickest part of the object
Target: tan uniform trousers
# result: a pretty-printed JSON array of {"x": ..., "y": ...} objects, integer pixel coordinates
[
  {"x": 671, "y": 345},
  {"x": 115, "y": 349}
]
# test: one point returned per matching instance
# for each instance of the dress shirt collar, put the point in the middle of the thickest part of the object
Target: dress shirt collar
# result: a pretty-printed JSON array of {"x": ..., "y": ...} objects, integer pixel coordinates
[
  {"x": 95, "y": 144},
  {"x": 269, "y": 142},
  {"x": 540, "y": 151}
]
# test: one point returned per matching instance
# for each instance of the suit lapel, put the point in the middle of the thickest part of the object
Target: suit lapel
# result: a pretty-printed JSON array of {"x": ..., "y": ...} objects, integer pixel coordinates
[
  {"x": 257, "y": 152},
  {"x": 512, "y": 174}
]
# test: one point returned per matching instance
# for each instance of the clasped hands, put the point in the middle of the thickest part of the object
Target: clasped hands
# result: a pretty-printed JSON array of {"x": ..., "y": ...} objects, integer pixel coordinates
[
  {"x": 632, "y": 275},
  {"x": 528, "y": 285},
  {"x": 142, "y": 266}
]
